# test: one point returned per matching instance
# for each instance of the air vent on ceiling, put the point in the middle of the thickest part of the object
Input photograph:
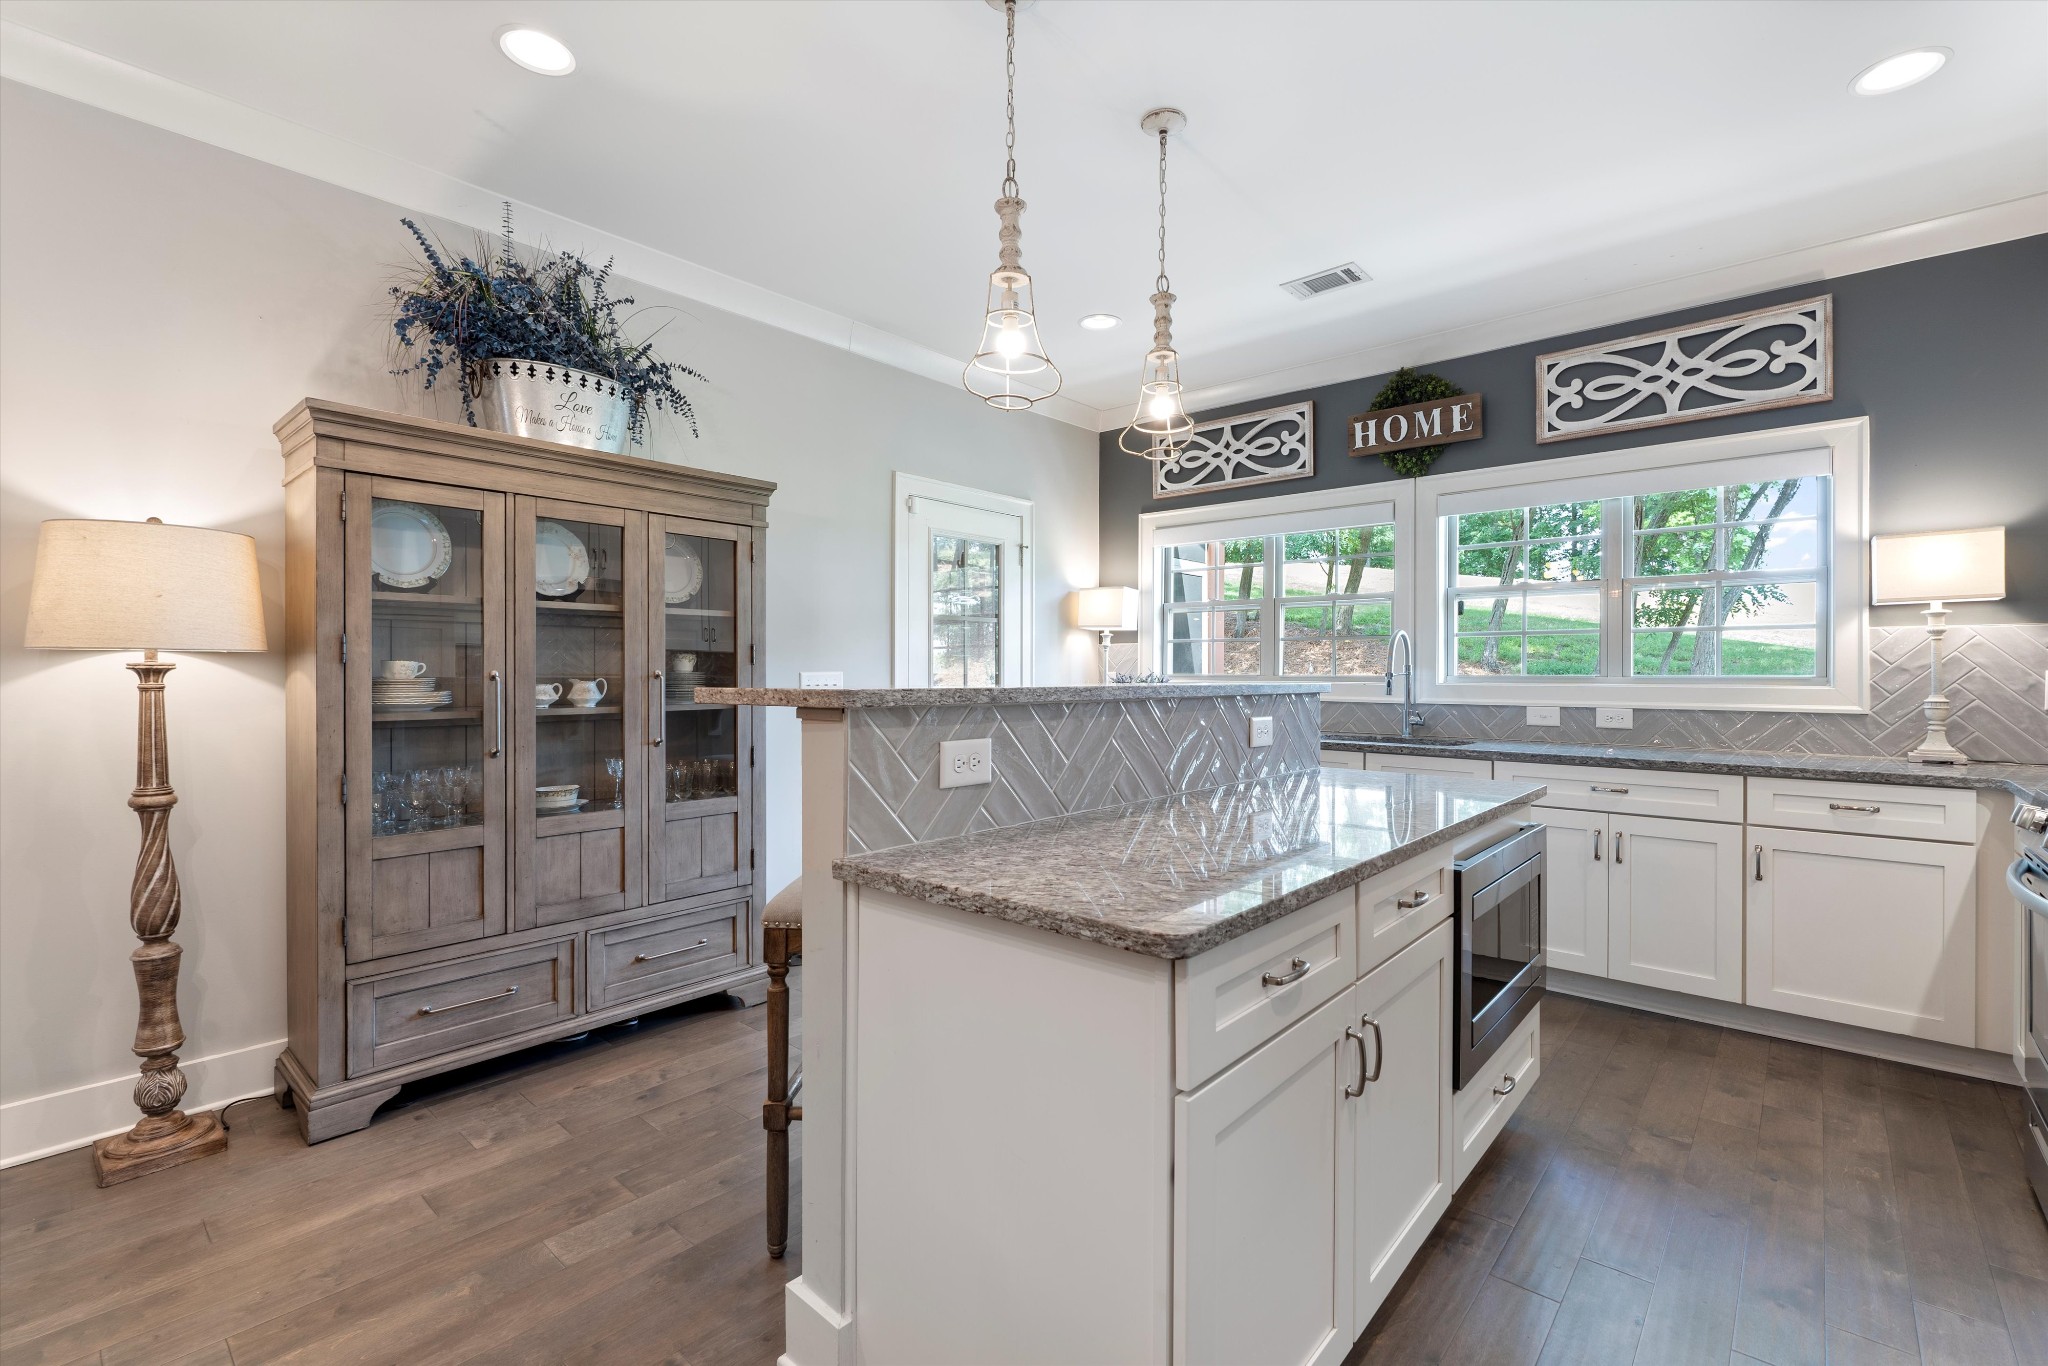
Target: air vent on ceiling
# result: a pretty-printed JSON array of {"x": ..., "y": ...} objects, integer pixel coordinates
[{"x": 1323, "y": 281}]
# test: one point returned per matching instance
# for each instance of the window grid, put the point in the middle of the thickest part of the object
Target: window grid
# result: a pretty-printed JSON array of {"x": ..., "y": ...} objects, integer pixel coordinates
[{"x": 1253, "y": 625}]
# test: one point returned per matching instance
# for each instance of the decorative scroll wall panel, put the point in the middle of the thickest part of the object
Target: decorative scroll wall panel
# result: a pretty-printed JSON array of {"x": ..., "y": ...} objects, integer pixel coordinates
[
  {"x": 1770, "y": 358},
  {"x": 1235, "y": 452}
]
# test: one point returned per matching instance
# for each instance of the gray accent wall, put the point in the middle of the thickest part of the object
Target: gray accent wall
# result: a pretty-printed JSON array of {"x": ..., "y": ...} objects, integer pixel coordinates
[{"x": 1947, "y": 356}]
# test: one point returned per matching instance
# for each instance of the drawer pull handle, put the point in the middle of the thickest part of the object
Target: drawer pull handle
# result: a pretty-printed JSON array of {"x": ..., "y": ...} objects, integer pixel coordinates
[
  {"x": 1354, "y": 1092},
  {"x": 476, "y": 1001},
  {"x": 1507, "y": 1084},
  {"x": 1416, "y": 902},
  {"x": 1379, "y": 1047},
  {"x": 1854, "y": 806},
  {"x": 498, "y": 706},
  {"x": 1598, "y": 840},
  {"x": 1296, "y": 970},
  {"x": 1617, "y": 846},
  {"x": 1617, "y": 791},
  {"x": 1759, "y": 863},
  {"x": 669, "y": 953},
  {"x": 659, "y": 683}
]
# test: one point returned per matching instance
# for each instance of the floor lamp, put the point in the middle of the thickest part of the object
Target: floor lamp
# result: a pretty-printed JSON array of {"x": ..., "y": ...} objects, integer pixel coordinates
[
  {"x": 1937, "y": 568},
  {"x": 147, "y": 586}
]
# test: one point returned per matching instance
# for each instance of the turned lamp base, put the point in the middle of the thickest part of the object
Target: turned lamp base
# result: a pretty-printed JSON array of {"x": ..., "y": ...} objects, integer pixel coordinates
[
  {"x": 1935, "y": 747},
  {"x": 157, "y": 1142}
]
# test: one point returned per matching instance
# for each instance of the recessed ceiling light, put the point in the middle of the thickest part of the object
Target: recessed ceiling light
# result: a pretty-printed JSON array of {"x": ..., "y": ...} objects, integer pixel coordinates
[
  {"x": 1100, "y": 322},
  {"x": 536, "y": 51},
  {"x": 1896, "y": 73}
]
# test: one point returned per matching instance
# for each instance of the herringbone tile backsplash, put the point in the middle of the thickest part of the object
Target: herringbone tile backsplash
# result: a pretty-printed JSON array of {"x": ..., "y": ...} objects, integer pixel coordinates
[
  {"x": 1054, "y": 759},
  {"x": 1994, "y": 680}
]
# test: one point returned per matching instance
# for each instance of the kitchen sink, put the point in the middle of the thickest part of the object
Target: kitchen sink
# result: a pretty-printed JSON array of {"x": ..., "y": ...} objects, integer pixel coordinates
[{"x": 1430, "y": 740}]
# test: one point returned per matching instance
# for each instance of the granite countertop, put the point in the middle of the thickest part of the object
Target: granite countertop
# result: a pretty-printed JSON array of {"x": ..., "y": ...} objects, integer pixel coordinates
[
  {"x": 842, "y": 699},
  {"x": 1176, "y": 876},
  {"x": 2029, "y": 782}
]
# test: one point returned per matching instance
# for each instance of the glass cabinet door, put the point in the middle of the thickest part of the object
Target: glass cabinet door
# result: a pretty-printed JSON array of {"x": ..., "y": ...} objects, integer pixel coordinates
[
  {"x": 579, "y": 587},
  {"x": 424, "y": 662},
  {"x": 700, "y": 833}
]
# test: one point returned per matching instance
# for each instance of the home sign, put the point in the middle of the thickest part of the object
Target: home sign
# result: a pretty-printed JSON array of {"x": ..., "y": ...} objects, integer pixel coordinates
[{"x": 1438, "y": 422}]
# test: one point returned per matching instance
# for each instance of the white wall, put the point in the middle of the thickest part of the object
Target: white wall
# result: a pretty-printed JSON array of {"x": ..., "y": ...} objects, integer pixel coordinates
[{"x": 165, "y": 302}]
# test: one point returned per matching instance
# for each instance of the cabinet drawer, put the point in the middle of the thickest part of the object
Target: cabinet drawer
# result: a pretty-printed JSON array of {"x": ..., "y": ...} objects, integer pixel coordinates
[
  {"x": 1921, "y": 813},
  {"x": 631, "y": 961},
  {"x": 1343, "y": 758},
  {"x": 1634, "y": 791},
  {"x": 411, "y": 1015},
  {"x": 1398, "y": 907},
  {"x": 1429, "y": 764},
  {"x": 1228, "y": 1001},
  {"x": 1480, "y": 1111}
]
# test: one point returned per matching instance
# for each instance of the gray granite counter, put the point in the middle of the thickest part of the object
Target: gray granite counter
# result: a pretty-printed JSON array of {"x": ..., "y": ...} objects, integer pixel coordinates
[
  {"x": 1178, "y": 875},
  {"x": 2029, "y": 782},
  {"x": 846, "y": 699}
]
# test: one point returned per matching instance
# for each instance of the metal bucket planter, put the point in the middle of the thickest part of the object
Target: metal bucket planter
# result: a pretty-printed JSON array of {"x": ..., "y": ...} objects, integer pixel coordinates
[{"x": 553, "y": 403}]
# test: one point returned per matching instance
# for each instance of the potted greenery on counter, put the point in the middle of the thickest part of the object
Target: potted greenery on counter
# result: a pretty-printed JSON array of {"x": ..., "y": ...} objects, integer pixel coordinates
[{"x": 538, "y": 344}]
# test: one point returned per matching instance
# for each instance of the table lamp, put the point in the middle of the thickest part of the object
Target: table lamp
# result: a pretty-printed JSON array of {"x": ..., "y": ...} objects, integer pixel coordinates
[
  {"x": 1937, "y": 568},
  {"x": 1105, "y": 610},
  {"x": 147, "y": 586}
]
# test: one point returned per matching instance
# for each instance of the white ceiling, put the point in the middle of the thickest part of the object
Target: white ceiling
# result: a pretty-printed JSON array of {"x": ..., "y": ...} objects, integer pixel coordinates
[{"x": 1484, "y": 162}]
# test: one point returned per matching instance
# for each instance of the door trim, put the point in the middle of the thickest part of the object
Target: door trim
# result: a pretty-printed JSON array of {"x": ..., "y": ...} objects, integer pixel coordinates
[{"x": 903, "y": 633}]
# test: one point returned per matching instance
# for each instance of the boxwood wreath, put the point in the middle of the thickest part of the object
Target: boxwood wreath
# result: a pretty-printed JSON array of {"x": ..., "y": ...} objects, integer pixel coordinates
[{"x": 1407, "y": 386}]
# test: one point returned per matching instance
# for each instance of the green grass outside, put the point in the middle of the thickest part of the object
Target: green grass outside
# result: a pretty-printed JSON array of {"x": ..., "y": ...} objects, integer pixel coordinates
[{"x": 1579, "y": 655}]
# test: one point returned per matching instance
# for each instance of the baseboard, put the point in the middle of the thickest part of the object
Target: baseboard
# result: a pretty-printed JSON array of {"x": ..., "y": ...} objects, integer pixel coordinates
[
  {"x": 37, "y": 1126},
  {"x": 815, "y": 1333},
  {"x": 1871, "y": 1043}
]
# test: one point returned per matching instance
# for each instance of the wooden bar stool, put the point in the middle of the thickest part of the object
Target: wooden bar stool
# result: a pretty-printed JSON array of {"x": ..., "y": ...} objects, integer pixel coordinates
[{"x": 782, "y": 938}]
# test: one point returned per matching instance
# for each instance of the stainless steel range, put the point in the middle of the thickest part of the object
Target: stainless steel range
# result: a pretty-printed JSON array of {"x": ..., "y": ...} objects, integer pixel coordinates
[{"x": 2028, "y": 880}]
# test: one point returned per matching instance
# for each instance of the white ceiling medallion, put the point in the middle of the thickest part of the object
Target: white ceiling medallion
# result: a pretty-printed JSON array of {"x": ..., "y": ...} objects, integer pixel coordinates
[
  {"x": 536, "y": 51},
  {"x": 1768, "y": 358},
  {"x": 1010, "y": 369},
  {"x": 1896, "y": 73},
  {"x": 1160, "y": 427},
  {"x": 1251, "y": 448}
]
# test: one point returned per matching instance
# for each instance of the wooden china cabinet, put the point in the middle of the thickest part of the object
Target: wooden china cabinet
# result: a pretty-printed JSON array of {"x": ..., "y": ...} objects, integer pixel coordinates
[{"x": 508, "y": 820}]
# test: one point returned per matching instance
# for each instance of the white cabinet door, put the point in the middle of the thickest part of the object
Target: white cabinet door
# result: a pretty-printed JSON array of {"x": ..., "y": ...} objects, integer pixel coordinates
[
  {"x": 1674, "y": 905},
  {"x": 1262, "y": 1203},
  {"x": 1575, "y": 889},
  {"x": 1432, "y": 765},
  {"x": 1401, "y": 1134},
  {"x": 1865, "y": 930}
]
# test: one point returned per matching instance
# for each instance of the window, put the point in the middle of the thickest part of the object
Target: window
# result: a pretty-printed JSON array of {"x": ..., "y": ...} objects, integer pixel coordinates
[
  {"x": 1302, "y": 604},
  {"x": 1527, "y": 597},
  {"x": 960, "y": 609},
  {"x": 967, "y": 612}
]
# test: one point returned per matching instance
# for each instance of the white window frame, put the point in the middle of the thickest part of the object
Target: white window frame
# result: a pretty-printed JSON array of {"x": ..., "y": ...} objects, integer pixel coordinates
[
  {"x": 1839, "y": 449},
  {"x": 1321, "y": 510},
  {"x": 911, "y": 574}
]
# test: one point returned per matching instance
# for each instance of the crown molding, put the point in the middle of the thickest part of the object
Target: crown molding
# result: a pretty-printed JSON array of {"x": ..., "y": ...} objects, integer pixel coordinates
[
  {"x": 1978, "y": 227},
  {"x": 76, "y": 73}
]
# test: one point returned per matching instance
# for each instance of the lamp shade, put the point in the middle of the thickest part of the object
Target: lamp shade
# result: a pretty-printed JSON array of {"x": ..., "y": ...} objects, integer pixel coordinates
[
  {"x": 1106, "y": 609},
  {"x": 144, "y": 586},
  {"x": 1938, "y": 566}
]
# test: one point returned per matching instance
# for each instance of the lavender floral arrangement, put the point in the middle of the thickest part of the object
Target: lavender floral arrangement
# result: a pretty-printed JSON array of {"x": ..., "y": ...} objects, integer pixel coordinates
[{"x": 553, "y": 308}]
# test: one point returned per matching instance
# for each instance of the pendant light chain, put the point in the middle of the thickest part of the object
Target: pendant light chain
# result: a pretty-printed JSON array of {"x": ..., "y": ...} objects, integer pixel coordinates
[
  {"x": 1165, "y": 286},
  {"x": 1010, "y": 102}
]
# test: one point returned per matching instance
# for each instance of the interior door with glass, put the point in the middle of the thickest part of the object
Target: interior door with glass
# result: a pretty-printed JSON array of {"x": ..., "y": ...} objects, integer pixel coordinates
[
  {"x": 700, "y": 827},
  {"x": 424, "y": 655},
  {"x": 579, "y": 577},
  {"x": 970, "y": 564}
]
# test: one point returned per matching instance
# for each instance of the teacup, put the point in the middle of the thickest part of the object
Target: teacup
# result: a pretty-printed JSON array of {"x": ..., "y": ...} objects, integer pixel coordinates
[
  {"x": 402, "y": 670},
  {"x": 586, "y": 692},
  {"x": 682, "y": 662},
  {"x": 545, "y": 694}
]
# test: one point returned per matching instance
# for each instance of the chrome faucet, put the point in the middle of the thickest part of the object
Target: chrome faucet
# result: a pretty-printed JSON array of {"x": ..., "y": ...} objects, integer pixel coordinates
[{"x": 1410, "y": 718}]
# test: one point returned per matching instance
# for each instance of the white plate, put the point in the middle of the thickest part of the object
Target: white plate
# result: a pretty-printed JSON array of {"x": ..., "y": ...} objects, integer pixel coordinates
[
  {"x": 409, "y": 546},
  {"x": 682, "y": 574},
  {"x": 561, "y": 562}
]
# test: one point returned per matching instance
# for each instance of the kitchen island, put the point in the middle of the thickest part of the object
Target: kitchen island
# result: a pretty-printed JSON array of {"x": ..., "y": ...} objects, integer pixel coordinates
[{"x": 1148, "y": 1081}]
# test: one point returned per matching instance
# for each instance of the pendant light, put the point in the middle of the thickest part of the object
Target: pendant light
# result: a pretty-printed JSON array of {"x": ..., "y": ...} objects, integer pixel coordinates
[
  {"x": 1160, "y": 427},
  {"x": 1010, "y": 369}
]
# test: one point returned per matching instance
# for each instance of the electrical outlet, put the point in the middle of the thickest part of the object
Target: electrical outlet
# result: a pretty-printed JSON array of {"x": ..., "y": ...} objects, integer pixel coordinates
[
  {"x": 965, "y": 763},
  {"x": 1262, "y": 732},
  {"x": 1615, "y": 718},
  {"x": 1545, "y": 716},
  {"x": 820, "y": 678}
]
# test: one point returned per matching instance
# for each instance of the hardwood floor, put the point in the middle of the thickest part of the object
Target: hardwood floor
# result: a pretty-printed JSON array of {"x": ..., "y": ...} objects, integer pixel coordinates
[
  {"x": 591, "y": 1202},
  {"x": 1669, "y": 1193},
  {"x": 1674, "y": 1193}
]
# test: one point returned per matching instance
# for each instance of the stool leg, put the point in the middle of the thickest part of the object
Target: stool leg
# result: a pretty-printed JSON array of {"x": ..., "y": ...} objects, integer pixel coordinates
[{"x": 775, "y": 1112}]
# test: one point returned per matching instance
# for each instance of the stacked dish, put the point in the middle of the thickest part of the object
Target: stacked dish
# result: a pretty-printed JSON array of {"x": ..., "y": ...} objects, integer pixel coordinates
[
  {"x": 683, "y": 679},
  {"x": 408, "y": 694},
  {"x": 555, "y": 797}
]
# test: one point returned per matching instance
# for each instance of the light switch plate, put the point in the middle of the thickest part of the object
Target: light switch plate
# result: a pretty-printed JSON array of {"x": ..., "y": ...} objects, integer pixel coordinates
[
  {"x": 966, "y": 763},
  {"x": 820, "y": 678},
  {"x": 1262, "y": 732},
  {"x": 1614, "y": 718},
  {"x": 1545, "y": 716}
]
